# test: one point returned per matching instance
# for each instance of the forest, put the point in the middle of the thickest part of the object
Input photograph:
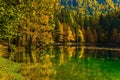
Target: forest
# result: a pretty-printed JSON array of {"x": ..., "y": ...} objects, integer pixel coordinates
[{"x": 26, "y": 25}]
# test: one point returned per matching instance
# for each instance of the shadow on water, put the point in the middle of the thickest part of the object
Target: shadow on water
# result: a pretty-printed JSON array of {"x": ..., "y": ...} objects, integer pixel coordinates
[{"x": 69, "y": 63}]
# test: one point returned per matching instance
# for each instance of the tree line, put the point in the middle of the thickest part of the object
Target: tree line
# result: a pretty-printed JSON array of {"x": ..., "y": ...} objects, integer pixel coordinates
[
  {"x": 37, "y": 24},
  {"x": 90, "y": 22}
]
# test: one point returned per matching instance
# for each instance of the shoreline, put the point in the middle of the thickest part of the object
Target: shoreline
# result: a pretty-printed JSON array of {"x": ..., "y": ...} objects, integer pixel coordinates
[{"x": 88, "y": 44}]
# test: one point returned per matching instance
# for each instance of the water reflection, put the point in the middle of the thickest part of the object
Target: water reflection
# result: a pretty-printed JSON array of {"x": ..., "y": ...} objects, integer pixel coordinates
[{"x": 69, "y": 63}]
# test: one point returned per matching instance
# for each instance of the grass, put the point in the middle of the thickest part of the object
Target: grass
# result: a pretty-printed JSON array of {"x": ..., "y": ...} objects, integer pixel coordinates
[{"x": 8, "y": 69}]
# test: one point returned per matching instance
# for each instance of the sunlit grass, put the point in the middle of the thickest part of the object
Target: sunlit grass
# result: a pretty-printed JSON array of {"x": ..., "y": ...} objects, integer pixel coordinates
[{"x": 9, "y": 70}]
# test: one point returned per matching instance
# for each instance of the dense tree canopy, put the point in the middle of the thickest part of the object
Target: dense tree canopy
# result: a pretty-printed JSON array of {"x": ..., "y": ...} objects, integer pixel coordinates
[{"x": 36, "y": 24}]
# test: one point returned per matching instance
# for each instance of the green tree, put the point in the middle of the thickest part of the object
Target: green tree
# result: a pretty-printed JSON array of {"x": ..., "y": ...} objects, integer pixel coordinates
[
  {"x": 32, "y": 22},
  {"x": 86, "y": 22},
  {"x": 8, "y": 21}
]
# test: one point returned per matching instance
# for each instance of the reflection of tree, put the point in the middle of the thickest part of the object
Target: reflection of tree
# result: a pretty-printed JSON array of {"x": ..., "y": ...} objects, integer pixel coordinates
[
  {"x": 66, "y": 53},
  {"x": 108, "y": 55},
  {"x": 82, "y": 70},
  {"x": 22, "y": 57},
  {"x": 71, "y": 51},
  {"x": 39, "y": 71},
  {"x": 88, "y": 65},
  {"x": 82, "y": 51},
  {"x": 87, "y": 68},
  {"x": 61, "y": 57}
]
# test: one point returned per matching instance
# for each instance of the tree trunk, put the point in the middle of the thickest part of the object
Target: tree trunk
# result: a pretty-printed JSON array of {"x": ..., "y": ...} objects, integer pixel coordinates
[
  {"x": 29, "y": 44},
  {"x": 9, "y": 50}
]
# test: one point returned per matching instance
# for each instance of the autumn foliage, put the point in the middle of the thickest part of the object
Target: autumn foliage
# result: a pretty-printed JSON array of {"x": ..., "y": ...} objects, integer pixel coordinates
[{"x": 37, "y": 24}]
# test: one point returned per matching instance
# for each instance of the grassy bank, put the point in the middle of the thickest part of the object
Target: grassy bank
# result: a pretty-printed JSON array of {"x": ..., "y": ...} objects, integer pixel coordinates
[{"x": 9, "y": 70}]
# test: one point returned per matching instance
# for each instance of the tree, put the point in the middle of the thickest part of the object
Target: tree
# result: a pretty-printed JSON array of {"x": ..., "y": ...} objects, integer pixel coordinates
[
  {"x": 9, "y": 21},
  {"x": 115, "y": 36},
  {"x": 39, "y": 20},
  {"x": 86, "y": 22},
  {"x": 32, "y": 22},
  {"x": 81, "y": 35},
  {"x": 89, "y": 37},
  {"x": 110, "y": 3},
  {"x": 101, "y": 20}
]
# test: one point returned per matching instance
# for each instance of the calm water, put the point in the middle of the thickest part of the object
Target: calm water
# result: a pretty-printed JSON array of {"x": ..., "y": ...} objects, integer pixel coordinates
[{"x": 69, "y": 63}]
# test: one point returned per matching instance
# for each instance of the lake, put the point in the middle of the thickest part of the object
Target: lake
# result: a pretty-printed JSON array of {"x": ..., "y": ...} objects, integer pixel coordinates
[{"x": 69, "y": 63}]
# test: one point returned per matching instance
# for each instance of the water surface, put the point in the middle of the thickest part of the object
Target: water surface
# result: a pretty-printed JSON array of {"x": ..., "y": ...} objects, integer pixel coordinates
[{"x": 70, "y": 63}]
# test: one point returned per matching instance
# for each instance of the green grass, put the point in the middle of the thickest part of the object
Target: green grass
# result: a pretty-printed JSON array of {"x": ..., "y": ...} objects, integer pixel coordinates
[{"x": 9, "y": 70}]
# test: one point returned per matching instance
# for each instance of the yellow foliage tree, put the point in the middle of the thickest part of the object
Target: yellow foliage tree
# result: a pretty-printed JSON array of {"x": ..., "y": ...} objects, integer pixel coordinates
[{"x": 81, "y": 35}]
